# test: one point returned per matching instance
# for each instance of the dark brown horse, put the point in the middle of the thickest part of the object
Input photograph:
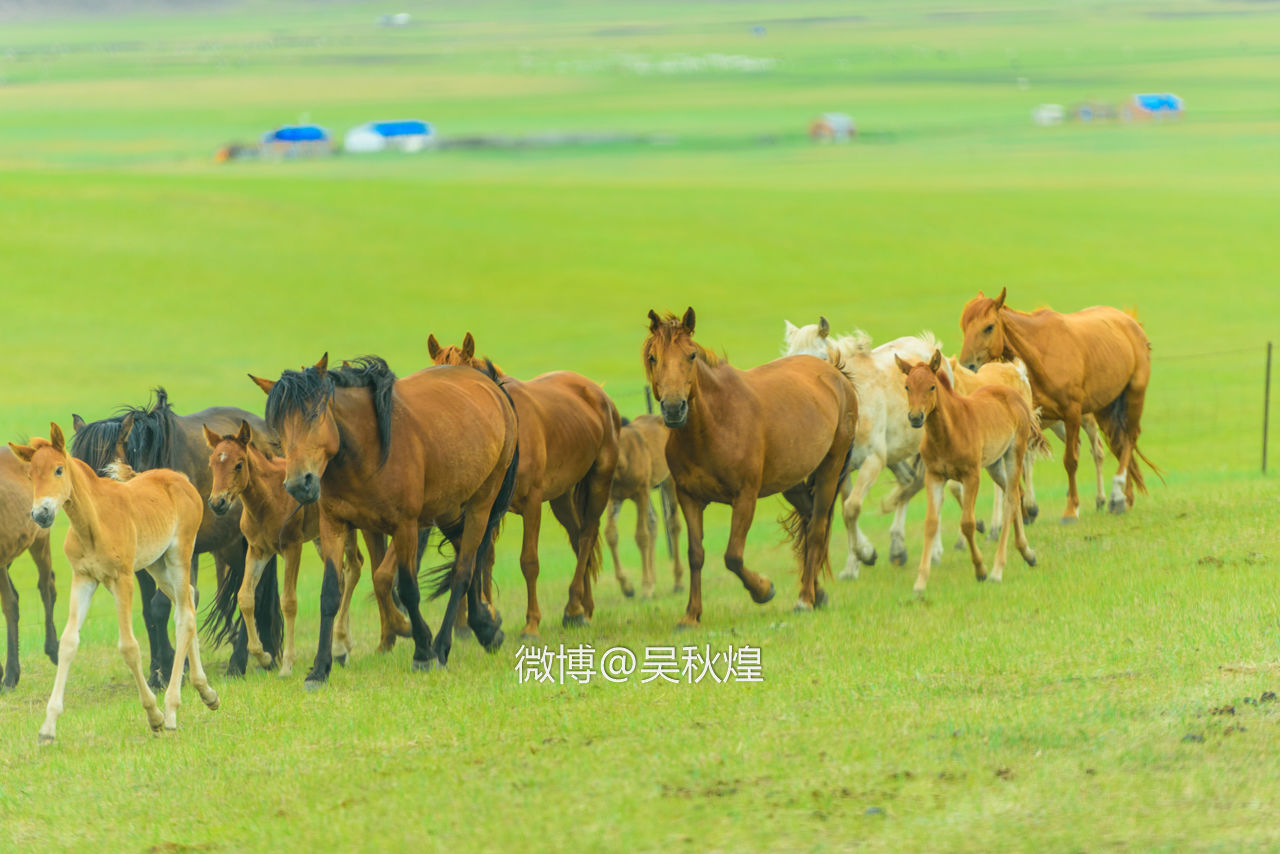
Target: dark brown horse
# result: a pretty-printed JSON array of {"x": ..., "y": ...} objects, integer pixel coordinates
[
  {"x": 18, "y": 534},
  {"x": 1093, "y": 361},
  {"x": 161, "y": 438},
  {"x": 568, "y": 451},
  {"x": 390, "y": 456},
  {"x": 786, "y": 426}
]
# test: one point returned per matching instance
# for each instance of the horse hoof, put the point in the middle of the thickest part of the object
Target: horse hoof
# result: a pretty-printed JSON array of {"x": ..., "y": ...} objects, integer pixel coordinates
[
  {"x": 679, "y": 588},
  {"x": 575, "y": 621},
  {"x": 980, "y": 574},
  {"x": 8, "y": 686},
  {"x": 802, "y": 607},
  {"x": 766, "y": 598},
  {"x": 426, "y": 666},
  {"x": 1030, "y": 514},
  {"x": 45, "y": 739},
  {"x": 821, "y": 599},
  {"x": 340, "y": 660},
  {"x": 529, "y": 637},
  {"x": 52, "y": 653},
  {"x": 629, "y": 591},
  {"x": 234, "y": 671},
  {"x": 462, "y": 632},
  {"x": 1100, "y": 503},
  {"x": 313, "y": 685},
  {"x": 1030, "y": 558},
  {"x": 1118, "y": 507},
  {"x": 687, "y": 625},
  {"x": 898, "y": 558},
  {"x": 980, "y": 526},
  {"x": 1069, "y": 520},
  {"x": 495, "y": 643},
  {"x": 850, "y": 574}
]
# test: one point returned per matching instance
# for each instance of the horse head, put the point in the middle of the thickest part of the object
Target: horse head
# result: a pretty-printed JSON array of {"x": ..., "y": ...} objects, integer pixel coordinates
[{"x": 983, "y": 328}]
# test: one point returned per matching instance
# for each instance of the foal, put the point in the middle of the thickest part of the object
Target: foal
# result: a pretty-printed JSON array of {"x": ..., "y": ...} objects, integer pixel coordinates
[
  {"x": 962, "y": 435},
  {"x": 148, "y": 521},
  {"x": 273, "y": 524},
  {"x": 642, "y": 465}
]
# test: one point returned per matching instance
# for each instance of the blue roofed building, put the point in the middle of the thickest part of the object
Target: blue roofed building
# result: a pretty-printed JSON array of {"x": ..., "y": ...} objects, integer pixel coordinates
[{"x": 400, "y": 134}]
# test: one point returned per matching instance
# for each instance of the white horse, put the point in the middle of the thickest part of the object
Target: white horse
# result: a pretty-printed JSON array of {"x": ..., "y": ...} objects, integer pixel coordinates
[{"x": 884, "y": 438}]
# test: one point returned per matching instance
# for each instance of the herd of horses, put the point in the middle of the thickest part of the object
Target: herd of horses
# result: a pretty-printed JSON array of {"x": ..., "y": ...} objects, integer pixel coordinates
[{"x": 354, "y": 453}]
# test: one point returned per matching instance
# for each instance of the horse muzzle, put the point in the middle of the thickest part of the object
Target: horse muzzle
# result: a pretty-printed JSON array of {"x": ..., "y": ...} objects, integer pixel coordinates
[
  {"x": 43, "y": 515},
  {"x": 219, "y": 505},
  {"x": 915, "y": 420},
  {"x": 305, "y": 489},
  {"x": 675, "y": 413}
]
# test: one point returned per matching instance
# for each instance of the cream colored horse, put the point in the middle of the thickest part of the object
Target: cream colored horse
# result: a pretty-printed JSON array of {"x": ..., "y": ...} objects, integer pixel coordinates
[
  {"x": 149, "y": 521},
  {"x": 884, "y": 438}
]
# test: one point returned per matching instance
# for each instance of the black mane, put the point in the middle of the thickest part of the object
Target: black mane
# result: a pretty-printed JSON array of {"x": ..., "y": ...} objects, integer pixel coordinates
[
  {"x": 151, "y": 442},
  {"x": 306, "y": 393}
]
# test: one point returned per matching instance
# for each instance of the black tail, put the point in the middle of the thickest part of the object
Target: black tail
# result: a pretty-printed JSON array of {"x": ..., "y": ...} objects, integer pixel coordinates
[
  {"x": 223, "y": 621},
  {"x": 442, "y": 576},
  {"x": 1114, "y": 421}
]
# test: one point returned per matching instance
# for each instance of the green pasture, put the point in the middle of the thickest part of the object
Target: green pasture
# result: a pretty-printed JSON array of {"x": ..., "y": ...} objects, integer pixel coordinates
[{"x": 1115, "y": 696}]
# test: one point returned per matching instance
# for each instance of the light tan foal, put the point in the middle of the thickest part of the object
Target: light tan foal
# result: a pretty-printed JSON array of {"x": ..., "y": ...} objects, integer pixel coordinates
[
  {"x": 148, "y": 521},
  {"x": 642, "y": 465},
  {"x": 273, "y": 523}
]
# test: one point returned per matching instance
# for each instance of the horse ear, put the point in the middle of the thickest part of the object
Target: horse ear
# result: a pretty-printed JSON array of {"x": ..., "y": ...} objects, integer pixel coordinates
[
  {"x": 789, "y": 328},
  {"x": 936, "y": 361},
  {"x": 56, "y": 437},
  {"x": 433, "y": 346},
  {"x": 688, "y": 320},
  {"x": 245, "y": 434},
  {"x": 902, "y": 364},
  {"x": 322, "y": 365},
  {"x": 824, "y": 328},
  {"x": 654, "y": 321},
  {"x": 265, "y": 385},
  {"x": 469, "y": 346},
  {"x": 210, "y": 438},
  {"x": 1000, "y": 300},
  {"x": 22, "y": 452},
  {"x": 77, "y": 423}
]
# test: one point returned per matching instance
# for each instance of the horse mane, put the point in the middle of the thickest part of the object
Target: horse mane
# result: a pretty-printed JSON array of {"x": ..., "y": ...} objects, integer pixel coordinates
[
  {"x": 625, "y": 420},
  {"x": 670, "y": 326},
  {"x": 151, "y": 443},
  {"x": 306, "y": 392},
  {"x": 119, "y": 470},
  {"x": 930, "y": 340},
  {"x": 854, "y": 345}
]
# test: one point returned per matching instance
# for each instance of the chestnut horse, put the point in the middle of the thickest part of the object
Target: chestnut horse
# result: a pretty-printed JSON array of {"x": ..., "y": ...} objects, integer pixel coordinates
[
  {"x": 149, "y": 521},
  {"x": 1096, "y": 361},
  {"x": 963, "y": 435},
  {"x": 642, "y": 467},
  {"x": 19, "y": 534},
  {"x": 568, "y": 450},
  {"x": 161, "y": 438},
  {"x": 273, "y": 524},
  {"x": 787, "y": 426},
  {"x": 390, "y": 456}
]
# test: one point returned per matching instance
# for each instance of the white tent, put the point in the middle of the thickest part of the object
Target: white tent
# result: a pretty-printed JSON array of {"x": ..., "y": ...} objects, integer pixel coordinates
[{"x": 405, "y": 134}]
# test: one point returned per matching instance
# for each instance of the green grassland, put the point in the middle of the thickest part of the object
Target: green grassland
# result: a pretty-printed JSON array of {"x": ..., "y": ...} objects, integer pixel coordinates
[{"x": 1050, "y": 712}]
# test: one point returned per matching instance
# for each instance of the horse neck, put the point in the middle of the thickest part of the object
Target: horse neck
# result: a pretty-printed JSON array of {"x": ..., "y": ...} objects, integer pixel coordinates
[
  {"x": 358, "y": 448},
  {"x": 81, "y": 505},
  {"x": 264, "y": 488},
  {"x": 1020, "y": 332},
  {"x": 942, "y": 420},
  {"x": 710, "y": 386}
]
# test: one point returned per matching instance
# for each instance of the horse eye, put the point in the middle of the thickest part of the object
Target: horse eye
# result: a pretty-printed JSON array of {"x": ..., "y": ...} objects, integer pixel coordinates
[
  {"x": 991, "y": 327},
  {"x": 239, "y": 466},
  {"x": 932, "y": 387},
  {"x": 58, "y": 471},
  {"x": 692, "y": 356},
  {"x": 653, "y": 360}
]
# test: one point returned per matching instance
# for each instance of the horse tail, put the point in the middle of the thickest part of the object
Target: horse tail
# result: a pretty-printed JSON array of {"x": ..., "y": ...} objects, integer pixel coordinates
[
  {"x": 1114, "y": 421},
  {"x": 222, "y": 619},
  {"x": 267, "y": 613},
  {"x": 1037, "y": 445},
  {"x": 581, "y": 498},
  {"x": 796, "y": 527}
]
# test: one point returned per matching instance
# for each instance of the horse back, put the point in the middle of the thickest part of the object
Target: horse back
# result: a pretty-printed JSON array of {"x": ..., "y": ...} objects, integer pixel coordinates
[
  {"x": 566, "y": 420},
  {"x": 17, "y": 531}
]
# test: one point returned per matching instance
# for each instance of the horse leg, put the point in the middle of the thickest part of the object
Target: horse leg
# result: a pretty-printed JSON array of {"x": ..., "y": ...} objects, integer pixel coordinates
[
  {"x": 9, "y": 603},
  {"x": 531, "y": 524},
  {"x": 671, "y": 510},
  {"x": 861, "y": 549},
  {"x": 611, "y": 537},
  {"x": 156, "y": 619},
  {"x": 1098, "y": 452},
  {"x": 910, "y": 481},
  {"x": 128, "y": 646},
  {"x": 39, "y": 552},
  {"x": 255, "y": 562},
  {"x": 352, "y": 564},
  {"x": 821, "y": 497},
  {"x": 177, "y": 585},
  {"x": 934, "y": 487},
  {"x": 967, "y": 525},
  {"x": 1070, "y": 461},
  {"x": 744, "y": 510},
  {"x": 288, "y": 606},
  {"x": 957, "y": 493},
  {"x": 575, "y": 611},
  {"x": 82, "y": 587},
  {"x": 333, "y": 539},
  {"x": 1005, "y": 474},
  {"x": 1030, "y": 509},
  {"x": 693, "y": 510},
  {"x": 646, "y": 538},
  {"x": 426, "y": 654},
  {"x": 1135, "y": 398}
]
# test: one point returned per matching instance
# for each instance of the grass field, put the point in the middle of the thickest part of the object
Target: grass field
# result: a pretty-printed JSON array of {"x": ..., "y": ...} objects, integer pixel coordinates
[{"x": 1081, "y": 705}]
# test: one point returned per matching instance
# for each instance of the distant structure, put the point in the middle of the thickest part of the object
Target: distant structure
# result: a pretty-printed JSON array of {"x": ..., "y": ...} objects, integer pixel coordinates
[
  {"x": 399, "y": 19},
  {"x": 297, "y": 141},
  {"x": 408, "y": 135},
  {"x": 832, "y": 127},
  {"x": 1046, "y": 115},
  {"x": 1094, "y": 111},
  {"x": 1157, "y": 107}
]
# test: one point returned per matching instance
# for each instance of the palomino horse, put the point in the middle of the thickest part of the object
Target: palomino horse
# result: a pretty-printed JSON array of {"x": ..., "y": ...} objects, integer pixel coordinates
[
  {"x": 1096, "y": 361},
  {"x": 568, "y": 451},
  {"x": 642, "y": 467},
  {"x": 273, "y": 524},
  {"x": 962, "y": 435},
  {"x": 787, "y": 426},
  {"x": 19, "y": 534},
  {"x": 390, "y": 456},
  {"x": 885, "y": 440},
  {"x": 149, "y": 521},
  {"x": 160, "y": 438}
]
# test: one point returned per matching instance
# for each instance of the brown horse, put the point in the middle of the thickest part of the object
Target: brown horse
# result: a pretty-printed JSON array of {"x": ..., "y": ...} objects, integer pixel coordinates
[
  {"x": 642, "y": 467},
  {"x": 149, "y": 522},
  {"x": 988, "y": 429},
  {"x": 737, "y": 436},
  {"x": 19, "y": 534},
  {"x": 273, "y": 524},
  {"x": 568, "y": 451},
  {"x": 1093, "y": 361},
  {"x": 390, "y": 456}
]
